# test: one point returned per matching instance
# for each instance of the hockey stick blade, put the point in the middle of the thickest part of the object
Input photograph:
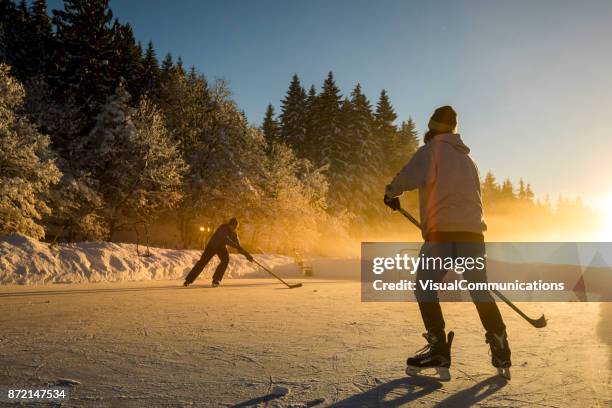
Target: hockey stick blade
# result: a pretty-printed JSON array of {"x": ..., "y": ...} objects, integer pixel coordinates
[
  {"x": 538, "y": 323},
  {"x": 297, "y": 285}
]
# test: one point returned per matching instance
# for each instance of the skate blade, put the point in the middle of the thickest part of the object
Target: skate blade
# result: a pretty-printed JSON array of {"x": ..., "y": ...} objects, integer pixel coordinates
[
  {"x": 504, "y": 372},
  {"x": 442, "y": 373}
]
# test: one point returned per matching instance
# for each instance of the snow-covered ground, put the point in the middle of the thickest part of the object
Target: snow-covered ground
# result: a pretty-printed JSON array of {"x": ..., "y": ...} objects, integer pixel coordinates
[{"x": 25, "y": 260}]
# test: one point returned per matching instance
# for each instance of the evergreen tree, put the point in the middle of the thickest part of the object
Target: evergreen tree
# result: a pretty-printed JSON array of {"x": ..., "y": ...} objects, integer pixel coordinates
[
  {"x": 385, "y": 115},
  {"x": 185, "y": 101},
  {"x": 365, "y": 182},
  {"x": 167, "y": 67},
  {"x": 139, "y": 171},
  {"x": 308, "y": 147},
  {"x": 293, "y": 115},
  {"x": 522, "y": 194},
  {"x": 270, "y": 127},
  {"x": 15, "y": 37},
  {"x": 507, "y": 190},
  {"x": 151, "y": 71},
  {"x": 490, "y": 189},
  {"x": 408, "y": 137},
  {"x": 127, "y": 60},
  {"x": 529, "y": 196},
  {"x": 85, "y": 54},
  {"x": 346, "y": 114},
  {"x": 27, "y": 167},
  {"x": 327, "y": 126},
  {"x": 386, "y": 134}
]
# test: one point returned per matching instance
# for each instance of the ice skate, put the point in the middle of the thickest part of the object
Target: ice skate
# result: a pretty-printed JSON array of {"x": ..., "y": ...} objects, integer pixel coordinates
[
  {"x": 500, "y": 353},
  {"x": 436, "y": 355},
  {"x": 214, "y": 284}
]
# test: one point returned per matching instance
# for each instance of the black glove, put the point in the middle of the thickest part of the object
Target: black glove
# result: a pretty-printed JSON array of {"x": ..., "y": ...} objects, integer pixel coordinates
[
  {"x": 392, "y": 202},
  {"x": 249, "y": 257}
]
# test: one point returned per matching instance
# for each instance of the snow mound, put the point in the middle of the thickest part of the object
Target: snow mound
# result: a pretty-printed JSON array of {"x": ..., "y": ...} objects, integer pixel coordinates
[{"x": 25, "y": 260}]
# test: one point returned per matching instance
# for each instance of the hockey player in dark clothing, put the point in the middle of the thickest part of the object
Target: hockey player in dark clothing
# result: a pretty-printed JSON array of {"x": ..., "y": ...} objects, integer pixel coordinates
[
  {"x": 453, "y": 226},
  {"x": 224, "y": 235}
]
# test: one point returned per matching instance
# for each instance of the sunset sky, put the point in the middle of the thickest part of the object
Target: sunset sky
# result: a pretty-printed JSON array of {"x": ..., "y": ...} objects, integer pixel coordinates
[{"x": 531, "y": 80}]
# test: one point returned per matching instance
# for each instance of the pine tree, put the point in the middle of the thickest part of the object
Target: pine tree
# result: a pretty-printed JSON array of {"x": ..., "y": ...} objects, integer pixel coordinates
[
  {"x": 386, "y": 134},
  {"x": 529, "y": 195},
  {"x": 85, "y": 54},
  {"x": 27, "y": 165},
  {"x": 522, "y": 194},
  {"x": 327, "y": 126},
  {"x": 408, "y": 137},
  {"x": 385, "y": 115},
  {"x": 225, "y": 159},
  {"x": 364, "y": 173},
  {"x": 167, "y": 67},
  {"x": 507, "y": 190},
  {"x": 15, "y": 38},
  {"x": 127, "y": 60},
  {"x": 308, "y": 147},
  {"x": 151, "y": 71},
  {"x": 270, "y": 127},
  {"x": 490, "y": 189},
  {"x": 40, "y": 40},
  {"x": 293, "y": 115}
]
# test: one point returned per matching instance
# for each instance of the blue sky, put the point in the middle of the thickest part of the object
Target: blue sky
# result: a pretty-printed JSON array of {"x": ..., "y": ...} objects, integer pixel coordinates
[{"x": 531, "y": 80}]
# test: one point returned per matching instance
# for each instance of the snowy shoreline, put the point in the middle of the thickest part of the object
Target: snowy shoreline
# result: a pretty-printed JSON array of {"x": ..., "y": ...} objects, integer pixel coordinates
[{"x": 26, "y": 261}]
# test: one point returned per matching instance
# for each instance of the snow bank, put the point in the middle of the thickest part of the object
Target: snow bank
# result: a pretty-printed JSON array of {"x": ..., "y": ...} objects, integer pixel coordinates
[{"x": 25, "y": 261}]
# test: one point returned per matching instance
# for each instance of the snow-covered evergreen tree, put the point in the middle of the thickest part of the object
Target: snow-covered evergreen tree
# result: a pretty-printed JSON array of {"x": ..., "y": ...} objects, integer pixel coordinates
[
  {"x": 327, "y": 123},
  {"x": 130, "y": 154},
  {"x": 293, "y": 115},
  {"x": 405, "y": 144},
  {"x": 225, "y": 156},
  {"x": 365, "y": 184},
  {"x": 27, "y": 167}
]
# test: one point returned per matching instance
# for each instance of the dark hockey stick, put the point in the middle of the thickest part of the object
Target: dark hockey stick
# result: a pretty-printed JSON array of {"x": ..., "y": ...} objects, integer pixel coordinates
[
  {"x": 296, "y": 285},
  {"x": 237, "y": 246},
  {"x": 538, "y": 323}
]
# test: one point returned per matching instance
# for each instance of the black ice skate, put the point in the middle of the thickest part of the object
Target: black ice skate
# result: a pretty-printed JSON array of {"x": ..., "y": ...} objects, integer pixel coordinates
[
  {"x": 214, "y": 284},
  {"x": 500, "y": 353},
  {"x": 435, "y": 355}
]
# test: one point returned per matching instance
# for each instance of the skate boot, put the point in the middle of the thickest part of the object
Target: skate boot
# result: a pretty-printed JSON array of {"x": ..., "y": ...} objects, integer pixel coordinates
[
  {"x": 435, "y": 355},
  {"x": 214, "y": 284},
  {"x": 185, "y": 284},
  {"x": 500, "y": 353}
]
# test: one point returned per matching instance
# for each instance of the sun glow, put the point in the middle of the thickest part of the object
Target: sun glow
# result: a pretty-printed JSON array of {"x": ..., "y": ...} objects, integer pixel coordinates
[{"x": 604, "y": 233}]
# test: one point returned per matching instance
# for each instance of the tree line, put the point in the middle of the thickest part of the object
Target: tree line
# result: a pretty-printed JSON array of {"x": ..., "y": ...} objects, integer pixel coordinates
[{"x": 97, "y": 136}]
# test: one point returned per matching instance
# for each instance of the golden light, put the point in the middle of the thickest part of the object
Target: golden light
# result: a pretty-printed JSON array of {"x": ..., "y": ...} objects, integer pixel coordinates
[
  {"x": 605, "y": 230},
  {"x": 202, "y": 229}
]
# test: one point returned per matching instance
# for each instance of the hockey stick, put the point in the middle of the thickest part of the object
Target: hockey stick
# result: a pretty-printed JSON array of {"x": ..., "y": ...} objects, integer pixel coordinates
[
  {"x": 537, "y": 323},
  {"x": 237, "y": 246},
  {"x": 296, "y": 285}
]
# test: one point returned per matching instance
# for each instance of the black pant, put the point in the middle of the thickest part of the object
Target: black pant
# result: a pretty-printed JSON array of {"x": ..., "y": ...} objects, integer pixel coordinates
[
  {"x": 206, "y": 257},
  {"x": 456, "y": 244}
]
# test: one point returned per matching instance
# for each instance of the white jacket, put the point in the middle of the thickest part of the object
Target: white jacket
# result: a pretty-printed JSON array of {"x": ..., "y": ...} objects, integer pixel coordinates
[{"x": 448, "y": 183}]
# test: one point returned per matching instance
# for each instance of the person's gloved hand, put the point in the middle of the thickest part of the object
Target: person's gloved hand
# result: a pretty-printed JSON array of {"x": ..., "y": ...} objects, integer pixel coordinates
[
  {"x": 392, "y": 202},
  {"x": 250, "y": 257}
]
